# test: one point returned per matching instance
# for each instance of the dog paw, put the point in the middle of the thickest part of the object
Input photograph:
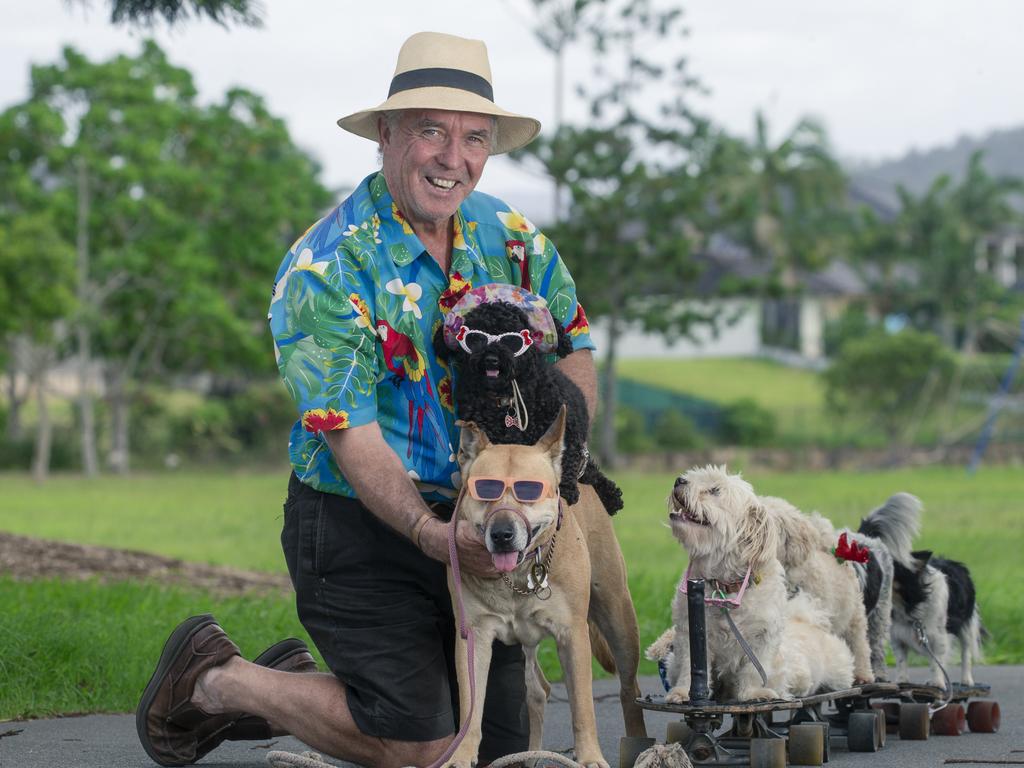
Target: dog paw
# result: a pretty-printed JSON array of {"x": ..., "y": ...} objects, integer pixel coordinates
[
  {"x": 757, "y": 694},
  {"x": 677, "y": 696},
  {"x": 863, "y": 680},
  {"x": 938, "y": 682}
]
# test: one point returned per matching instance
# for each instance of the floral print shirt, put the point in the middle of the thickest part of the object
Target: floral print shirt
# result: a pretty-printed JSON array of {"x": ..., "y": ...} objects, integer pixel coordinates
[{"x": 355, "y": 306}]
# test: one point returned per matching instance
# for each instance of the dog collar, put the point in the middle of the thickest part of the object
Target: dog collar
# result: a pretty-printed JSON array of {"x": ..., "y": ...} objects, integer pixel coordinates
[{"x": 721, "y": 590}]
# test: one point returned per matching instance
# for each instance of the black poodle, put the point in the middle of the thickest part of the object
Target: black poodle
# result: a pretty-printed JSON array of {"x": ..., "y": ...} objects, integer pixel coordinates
[{"x": 504, "y": 385}]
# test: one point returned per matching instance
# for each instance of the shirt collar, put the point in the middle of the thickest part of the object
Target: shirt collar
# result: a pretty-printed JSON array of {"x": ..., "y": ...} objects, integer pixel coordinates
[
  {"x": 464, "y": 259},
  {"x": 398, "y": 230}
]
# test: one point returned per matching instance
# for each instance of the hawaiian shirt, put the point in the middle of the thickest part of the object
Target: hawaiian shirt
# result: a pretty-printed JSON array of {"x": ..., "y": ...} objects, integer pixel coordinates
[{"x": 355, "y": 307}]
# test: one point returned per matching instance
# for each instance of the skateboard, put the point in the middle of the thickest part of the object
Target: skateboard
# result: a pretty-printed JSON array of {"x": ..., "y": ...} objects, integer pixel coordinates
[
  {"x": 917, "y": 710},
  {"x": 751, "y": 737}
]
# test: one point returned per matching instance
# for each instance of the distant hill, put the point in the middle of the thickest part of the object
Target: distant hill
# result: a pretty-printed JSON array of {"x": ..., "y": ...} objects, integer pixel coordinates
[{"x": 1004, "y": 156}]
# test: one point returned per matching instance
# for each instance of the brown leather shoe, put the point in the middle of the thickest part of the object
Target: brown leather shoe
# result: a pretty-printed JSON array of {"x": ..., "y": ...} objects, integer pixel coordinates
[{"x": 168, "y": 724}]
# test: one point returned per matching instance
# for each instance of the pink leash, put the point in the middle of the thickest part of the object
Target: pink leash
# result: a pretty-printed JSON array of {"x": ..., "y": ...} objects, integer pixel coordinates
[{"x": 466, "y": 634}]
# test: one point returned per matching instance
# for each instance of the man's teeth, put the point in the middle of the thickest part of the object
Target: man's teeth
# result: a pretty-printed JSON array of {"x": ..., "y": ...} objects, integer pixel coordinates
[{"x": 443, "y": 183}]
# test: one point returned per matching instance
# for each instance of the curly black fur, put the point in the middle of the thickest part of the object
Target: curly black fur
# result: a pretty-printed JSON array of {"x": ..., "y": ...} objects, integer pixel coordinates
[{"x": 486, "y": 400}]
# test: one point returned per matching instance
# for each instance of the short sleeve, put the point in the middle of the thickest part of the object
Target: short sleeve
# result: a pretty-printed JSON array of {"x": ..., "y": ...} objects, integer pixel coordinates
[
  {"x": 322, "y": 323},
  {"x": 550, "y": 278}
]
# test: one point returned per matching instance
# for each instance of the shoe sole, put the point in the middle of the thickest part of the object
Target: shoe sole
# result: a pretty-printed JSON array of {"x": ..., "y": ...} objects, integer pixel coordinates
[{"x": 182, "y": 634}]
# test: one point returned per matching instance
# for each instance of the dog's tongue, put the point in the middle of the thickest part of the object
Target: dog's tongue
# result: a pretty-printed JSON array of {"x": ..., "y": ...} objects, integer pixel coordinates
[
  {"x": 505, "y": 562},
  {"x": 491, "y": 373}
]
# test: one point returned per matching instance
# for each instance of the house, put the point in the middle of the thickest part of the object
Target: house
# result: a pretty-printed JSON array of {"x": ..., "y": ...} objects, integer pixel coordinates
[{"x": 789, "y": 327}]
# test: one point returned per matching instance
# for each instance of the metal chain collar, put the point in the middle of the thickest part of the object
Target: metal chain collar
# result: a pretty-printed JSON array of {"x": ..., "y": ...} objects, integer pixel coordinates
[{"x": 537, "y": 578}]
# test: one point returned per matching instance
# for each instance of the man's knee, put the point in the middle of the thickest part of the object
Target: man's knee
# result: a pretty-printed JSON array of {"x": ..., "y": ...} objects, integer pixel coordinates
[{"x": 398, "y": 754}]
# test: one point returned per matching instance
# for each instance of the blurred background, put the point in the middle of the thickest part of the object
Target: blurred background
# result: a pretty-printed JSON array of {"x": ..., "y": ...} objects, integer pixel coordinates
[{"x": 797, "y": 229}]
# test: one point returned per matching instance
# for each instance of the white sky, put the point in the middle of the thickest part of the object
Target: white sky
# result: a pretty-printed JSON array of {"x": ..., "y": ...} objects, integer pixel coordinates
[{"x": 884, "y": 75}]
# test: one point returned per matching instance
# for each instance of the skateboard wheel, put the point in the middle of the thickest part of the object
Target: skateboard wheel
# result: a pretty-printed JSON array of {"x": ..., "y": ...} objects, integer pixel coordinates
[
  {"x": 806, "y": 744},
  {"x": 949, "y": 721},
  {"x": 630, "y": 748},
  {"x": 983, "y": 716},
  {"x": 862, "y": 732},
  {"x": 678, "y": 733},
  {"x": 880, "y": 721},
  {"x": 767, "y": 753},
  {"x": 914, "y": 722},
  {"x": 892, "y": 715}
]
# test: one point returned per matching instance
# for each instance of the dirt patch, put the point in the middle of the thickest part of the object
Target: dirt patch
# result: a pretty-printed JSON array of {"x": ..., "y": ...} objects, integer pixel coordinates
[{"x": 26, "y": 558}]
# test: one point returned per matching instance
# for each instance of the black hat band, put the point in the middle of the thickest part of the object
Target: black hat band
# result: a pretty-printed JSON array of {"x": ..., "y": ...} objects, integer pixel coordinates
[{"x": 433, "y": 77}]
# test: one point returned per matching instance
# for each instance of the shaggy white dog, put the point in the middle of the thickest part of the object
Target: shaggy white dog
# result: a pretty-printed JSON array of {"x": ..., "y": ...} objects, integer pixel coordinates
[
  {"x": 805, "y": 545},
  {"x": 729, "y": 535},
  {"x": 813, "y": 658}
]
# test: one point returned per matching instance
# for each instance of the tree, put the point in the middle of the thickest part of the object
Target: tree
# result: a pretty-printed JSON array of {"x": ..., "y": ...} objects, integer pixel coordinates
[
  {"x": 940, "y": 234},
  {"x": 637, "y": 200},
  {"x": 785, "y": 200},
  {"x": 179, "y": 214},
  {"x": 147, "y": 12}
]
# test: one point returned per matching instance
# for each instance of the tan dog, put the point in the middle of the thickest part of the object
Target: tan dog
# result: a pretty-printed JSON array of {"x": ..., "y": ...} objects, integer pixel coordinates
[{"x": 585, "y": 580}]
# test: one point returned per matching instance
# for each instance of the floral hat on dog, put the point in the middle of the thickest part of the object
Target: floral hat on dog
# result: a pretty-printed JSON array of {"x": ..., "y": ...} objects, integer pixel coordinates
[{"x": 538, "y": 317}]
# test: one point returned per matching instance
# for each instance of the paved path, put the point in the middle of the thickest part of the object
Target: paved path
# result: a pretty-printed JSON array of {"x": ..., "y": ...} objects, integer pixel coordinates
[{"x": 109, "y": 741}]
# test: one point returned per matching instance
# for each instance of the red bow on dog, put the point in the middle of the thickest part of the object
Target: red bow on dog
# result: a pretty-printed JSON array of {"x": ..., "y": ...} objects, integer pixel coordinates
[{"x": 849, "y": 550}]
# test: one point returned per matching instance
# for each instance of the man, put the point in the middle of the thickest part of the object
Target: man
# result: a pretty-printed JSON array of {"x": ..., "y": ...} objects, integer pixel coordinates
[{"x": 354, "y": 309}]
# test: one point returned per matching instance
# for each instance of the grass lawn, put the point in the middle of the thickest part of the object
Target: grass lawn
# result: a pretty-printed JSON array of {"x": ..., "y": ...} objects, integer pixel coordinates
[{"x": 91, "y": 647}]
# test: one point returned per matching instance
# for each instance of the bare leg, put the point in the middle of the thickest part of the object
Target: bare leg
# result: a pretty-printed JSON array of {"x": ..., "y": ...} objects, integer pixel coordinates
[{"x": 312, "y": 707}]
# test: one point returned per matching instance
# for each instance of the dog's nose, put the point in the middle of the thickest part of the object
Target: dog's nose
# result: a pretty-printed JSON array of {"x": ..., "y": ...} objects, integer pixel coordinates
[
  {"x": 502, "y": 534},
  {"x": 491, "y": 359},
  {"x": 681, "y": 481}
]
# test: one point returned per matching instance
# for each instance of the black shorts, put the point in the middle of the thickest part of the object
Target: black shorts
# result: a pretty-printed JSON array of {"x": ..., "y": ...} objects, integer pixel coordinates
[{"x": 380, "y": 614}]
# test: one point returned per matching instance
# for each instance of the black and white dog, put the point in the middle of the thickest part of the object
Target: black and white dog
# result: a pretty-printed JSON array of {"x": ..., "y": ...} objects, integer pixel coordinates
[
  {"x": 933, "y": 598},
  {"x": 497, "y": 337}
]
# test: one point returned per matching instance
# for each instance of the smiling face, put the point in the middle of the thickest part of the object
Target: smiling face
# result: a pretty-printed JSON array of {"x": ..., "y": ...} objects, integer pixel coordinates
[{"x": 432, "y": 160}]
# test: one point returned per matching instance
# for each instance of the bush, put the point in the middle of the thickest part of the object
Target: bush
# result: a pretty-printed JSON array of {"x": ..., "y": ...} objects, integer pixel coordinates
[
  {"x": 675, "y": 431},
  {"x": 852, "y": 324},
  {"x": 882, "y": 376},
  {"x": 631, "y": 432},
  {"x": 747, "y": 423}
]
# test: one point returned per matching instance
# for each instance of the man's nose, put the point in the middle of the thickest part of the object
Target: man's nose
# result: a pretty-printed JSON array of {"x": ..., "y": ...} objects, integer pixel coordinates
[{"x": 450, "y": 155}]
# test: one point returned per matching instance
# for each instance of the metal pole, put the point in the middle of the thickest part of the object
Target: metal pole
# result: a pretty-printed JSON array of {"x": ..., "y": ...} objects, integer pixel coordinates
[{"x": 699, "y": 693}]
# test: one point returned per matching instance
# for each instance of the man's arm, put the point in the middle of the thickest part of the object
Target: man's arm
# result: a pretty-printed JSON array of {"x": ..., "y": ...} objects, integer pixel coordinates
[
  {"x": 579, "y": 367},
  {"x": 380, "y": 481}
]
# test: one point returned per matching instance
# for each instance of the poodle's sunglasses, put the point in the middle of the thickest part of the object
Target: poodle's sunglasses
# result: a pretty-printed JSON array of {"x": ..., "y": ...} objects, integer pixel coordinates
[
  {"x": 472, "y": 340},
  {"x": 524, "y": 491}
]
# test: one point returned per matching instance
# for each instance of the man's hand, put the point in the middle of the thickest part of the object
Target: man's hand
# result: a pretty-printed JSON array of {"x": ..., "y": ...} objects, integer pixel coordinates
[{"x": 473, "y": 555}]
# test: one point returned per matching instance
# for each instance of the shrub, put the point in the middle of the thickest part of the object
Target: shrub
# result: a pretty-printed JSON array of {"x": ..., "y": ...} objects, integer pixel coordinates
[
  {"x": 631, "y": 432},
  {"x": 675, "y": 431},
  {"x": 882, "y": 376},
  {"x": 747, "y": 423}
]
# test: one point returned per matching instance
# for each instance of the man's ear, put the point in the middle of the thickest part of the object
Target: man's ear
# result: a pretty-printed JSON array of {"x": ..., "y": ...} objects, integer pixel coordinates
[
  {"x": 564, "y": 348},
  {"x": 472, "y": 441}
]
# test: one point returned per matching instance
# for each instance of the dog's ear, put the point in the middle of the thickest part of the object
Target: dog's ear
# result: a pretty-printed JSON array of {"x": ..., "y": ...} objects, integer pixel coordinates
[
  {"x": 758, "y": 535},
  {"x": 564, "y": 348},
  {"x": 472, "y": 441},
  {"x": 922, "y": 556},
  {"x": 552, "y": 441},
  {"x": 440, "y": 348}
]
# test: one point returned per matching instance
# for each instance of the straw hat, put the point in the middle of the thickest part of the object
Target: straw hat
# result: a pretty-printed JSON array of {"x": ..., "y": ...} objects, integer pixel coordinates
[{"x": 438, "y": 71}]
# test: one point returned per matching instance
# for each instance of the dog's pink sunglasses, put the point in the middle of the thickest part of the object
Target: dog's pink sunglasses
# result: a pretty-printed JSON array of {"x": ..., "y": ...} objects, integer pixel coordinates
[
  {"x": 472, "y": 340},
  {"x": 523, "y": 490}
]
